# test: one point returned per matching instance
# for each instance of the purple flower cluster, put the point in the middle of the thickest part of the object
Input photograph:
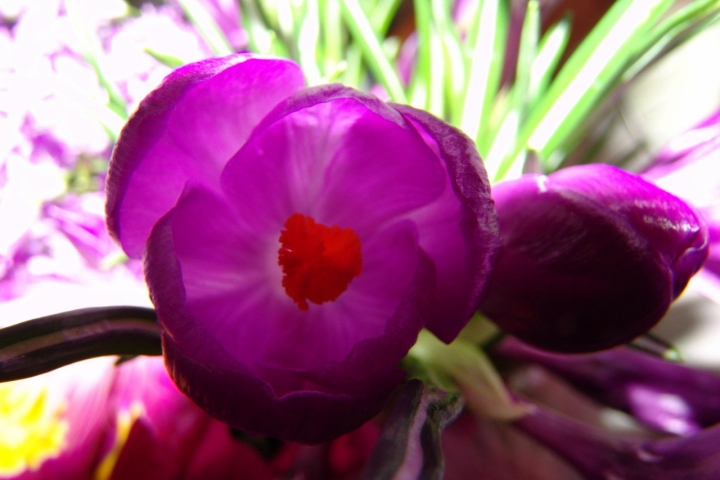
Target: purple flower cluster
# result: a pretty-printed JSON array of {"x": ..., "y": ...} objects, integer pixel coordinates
[
  {"x": 296, "y": 240},
  {"x": 676, "y": 400}
]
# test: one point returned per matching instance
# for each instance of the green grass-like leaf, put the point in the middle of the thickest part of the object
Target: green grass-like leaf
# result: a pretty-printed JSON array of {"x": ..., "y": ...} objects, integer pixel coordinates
[
  {"x": 364, "y": 36},
  {"x": 206, "y": 27},
  {"x": 308, "y": 40},
  {"x": 585, "y": 78},
  {"x": 485, "y": 68}
]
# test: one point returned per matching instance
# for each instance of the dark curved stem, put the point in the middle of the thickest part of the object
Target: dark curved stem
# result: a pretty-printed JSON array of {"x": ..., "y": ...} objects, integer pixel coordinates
[{"x": 46, "y": 343}]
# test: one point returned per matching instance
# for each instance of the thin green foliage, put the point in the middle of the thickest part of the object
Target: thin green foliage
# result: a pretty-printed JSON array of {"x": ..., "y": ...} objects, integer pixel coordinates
[
  {"x": 114, "y": 113},
  {"x": 206, "y": 27},
  {"x": 365, "y": 37},
  {"x": 488, "y": 53},
  {"x": 459, "y": 62}
]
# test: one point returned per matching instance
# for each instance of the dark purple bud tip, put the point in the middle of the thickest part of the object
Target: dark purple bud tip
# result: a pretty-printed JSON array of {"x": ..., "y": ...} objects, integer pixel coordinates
[{"x": 592, "y": 257}]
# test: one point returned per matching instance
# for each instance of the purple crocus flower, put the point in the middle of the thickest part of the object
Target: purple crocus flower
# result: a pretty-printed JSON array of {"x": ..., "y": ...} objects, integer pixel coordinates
[
  {"x": 687, "y": 167},
  {"x": 593, "y": 256},
  {"x": 296, "y": 240},
  {"x": 665, "y": 395}
]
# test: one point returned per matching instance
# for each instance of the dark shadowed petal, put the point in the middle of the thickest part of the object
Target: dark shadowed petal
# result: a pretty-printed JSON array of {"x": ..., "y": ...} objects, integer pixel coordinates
[
  {"x": 665, "y": 395},
  {"x": 459, "y": 231},
  {"x": 668, "y": 224},
  {"x": 188, "y": 128},
  {"x": 590, "y": 261},
  {"x": 220, "y": 456},
  {"x": 481, "y": 448},
  {"x": 600, "y": 454},
  {"x": 245, "y": 401}
]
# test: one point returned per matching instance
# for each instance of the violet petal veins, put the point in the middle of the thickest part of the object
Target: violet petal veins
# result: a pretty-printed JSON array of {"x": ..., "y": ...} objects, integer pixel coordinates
[
  {"x": 298, "y": 239},
  {"x": 592, "y": 257}
]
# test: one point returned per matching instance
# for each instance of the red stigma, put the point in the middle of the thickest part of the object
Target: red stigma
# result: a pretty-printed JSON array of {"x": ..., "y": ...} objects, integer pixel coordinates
[{"x": 318, "y": 261}]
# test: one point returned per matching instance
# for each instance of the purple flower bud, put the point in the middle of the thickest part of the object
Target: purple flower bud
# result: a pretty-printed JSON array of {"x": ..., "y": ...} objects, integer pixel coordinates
[
  {"x": 665, "y": 395},
  {"x": 592, "y": 257},
  {"x": 297, "y": 240}
]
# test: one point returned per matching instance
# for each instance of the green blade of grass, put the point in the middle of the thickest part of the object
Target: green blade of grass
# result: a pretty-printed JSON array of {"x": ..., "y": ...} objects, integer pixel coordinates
[
  {"x": 430, "y": 62},
  {"x": 548, "y": 56},
  {"x": 92, "y": 54},
  {"x": 308, "y": 38},
  {"x": 454, "y": 71},
  {"x": 262, "y": 39},
  {"x": 503, "y": 141},
  {"x": 353, "y": 74},
  {"x": 526, "y": 56},
  {"x": 382, "y": 14},
  {"x": 167, "y": 60},
  {"x": 333, "y": 41},
  {"x": 364, "y": 36},
  {"x": 672, "y": 31},
  {"x": 485, "y": 69},
  {"x": 420, "y": 79},
  {"x": 589, "y": 81},
  {"x": 585, "y": 78},
  {"x": 206, "y": 27}
]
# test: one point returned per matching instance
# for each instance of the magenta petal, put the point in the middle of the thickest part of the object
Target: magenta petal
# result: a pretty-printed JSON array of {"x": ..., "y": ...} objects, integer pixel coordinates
[
  {"x": 323, "y": 160},
  {"x": 235, "y": 289},
  {"x": 328, "y": 369},
  {"x": 460, "y": 231},
  {"x": 188, "y": 128},
  {"x": 248, "y": 403}
]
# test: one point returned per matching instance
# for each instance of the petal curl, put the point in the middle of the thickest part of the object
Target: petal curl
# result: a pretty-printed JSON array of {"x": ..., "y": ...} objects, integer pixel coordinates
[
  {"x": 460, "y": 230},
  {"x": 321, "y": 153},
  {"x": 188, "y": 128}
]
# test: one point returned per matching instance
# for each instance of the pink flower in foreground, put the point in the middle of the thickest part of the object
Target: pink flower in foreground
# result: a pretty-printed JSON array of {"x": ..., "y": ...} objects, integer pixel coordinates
[
  {"x": 157, "y": 433},
  {"x": 296, "y": 240},
  {"x": 51, "y": 426}
]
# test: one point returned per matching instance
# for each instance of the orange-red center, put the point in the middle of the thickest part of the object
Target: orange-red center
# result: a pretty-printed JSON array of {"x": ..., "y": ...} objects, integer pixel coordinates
[{"x": 318, "y": 262}]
